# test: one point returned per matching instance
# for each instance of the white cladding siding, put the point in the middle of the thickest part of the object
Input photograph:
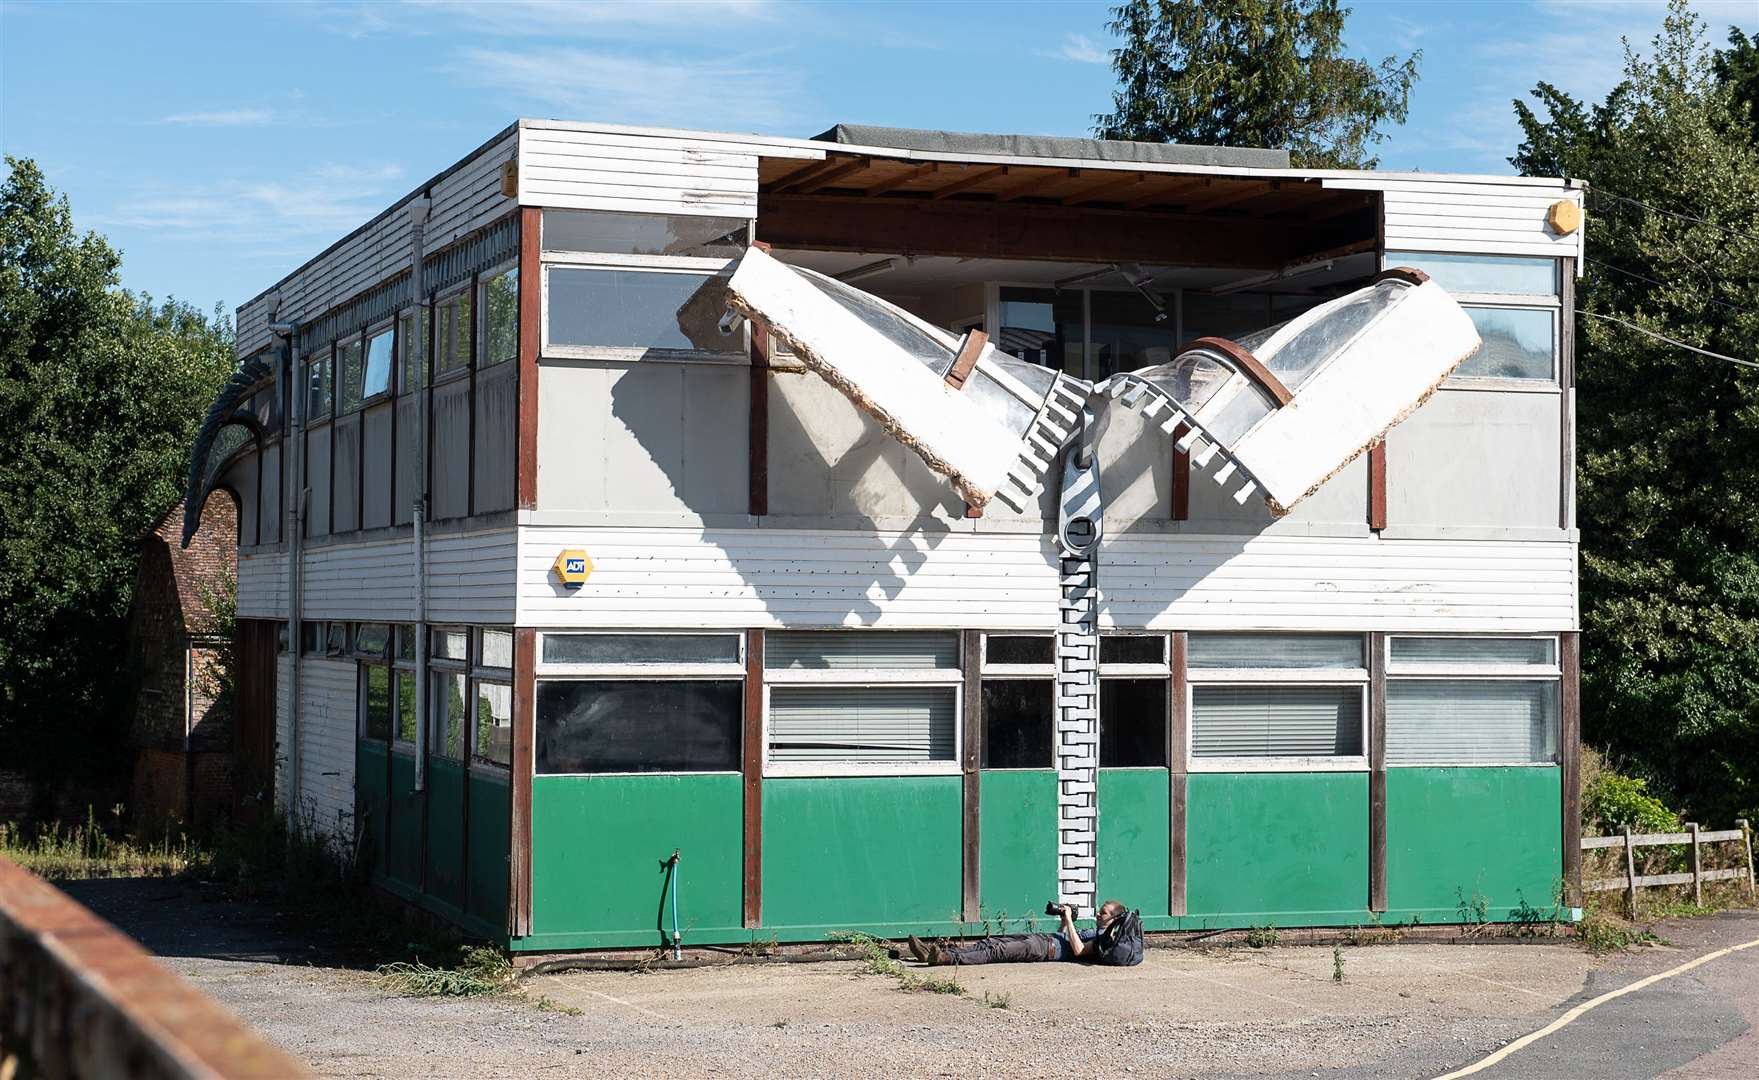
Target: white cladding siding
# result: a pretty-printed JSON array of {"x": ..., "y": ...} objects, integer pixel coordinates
[
  {"x": 470, "y": 579},
  {"x": 1462, "y": 216},
  {"x": 639, "y": 171},
  {"x": 680, "y": 577},
  {"x": 262, "y": 585},
  {"x": 283, "y": 727},
  {"x": 462, "y": 202},
  {"x": 326, "y": 743}
]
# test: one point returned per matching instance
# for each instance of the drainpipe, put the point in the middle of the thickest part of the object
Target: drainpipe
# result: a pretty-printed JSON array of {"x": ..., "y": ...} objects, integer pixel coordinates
[
  {"x": 293, "y": 484},
  {"x": 418, "y": 224}
]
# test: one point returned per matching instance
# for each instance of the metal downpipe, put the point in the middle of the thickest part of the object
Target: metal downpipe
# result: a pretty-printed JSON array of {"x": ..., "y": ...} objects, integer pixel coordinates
[{"x": 418, "y": 223}]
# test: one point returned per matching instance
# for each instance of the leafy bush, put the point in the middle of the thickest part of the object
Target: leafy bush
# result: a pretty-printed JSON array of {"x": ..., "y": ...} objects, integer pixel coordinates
[{"x": 1614, "y": 801}]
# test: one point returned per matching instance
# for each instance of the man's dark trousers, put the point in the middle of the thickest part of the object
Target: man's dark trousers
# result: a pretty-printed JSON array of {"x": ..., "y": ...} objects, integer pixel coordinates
[{"x": 1006, "y": 949}]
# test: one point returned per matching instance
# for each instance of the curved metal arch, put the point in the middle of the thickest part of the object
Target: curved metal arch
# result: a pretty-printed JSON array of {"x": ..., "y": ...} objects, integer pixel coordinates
[
  {"x": 1247, "y": 364},
  {"x": 225, "y": 412}
]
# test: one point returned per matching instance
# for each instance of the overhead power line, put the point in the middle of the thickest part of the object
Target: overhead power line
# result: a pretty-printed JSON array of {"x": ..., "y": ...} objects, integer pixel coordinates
[
  {"x": 1730, "y": 229},
  {"x": 1670, "y": 341},
  {"x": 1662, "y": 284}
]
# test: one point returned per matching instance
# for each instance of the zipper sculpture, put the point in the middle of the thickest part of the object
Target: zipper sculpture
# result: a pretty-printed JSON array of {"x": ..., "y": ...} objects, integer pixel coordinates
[{"x": 1277, "y": 412}]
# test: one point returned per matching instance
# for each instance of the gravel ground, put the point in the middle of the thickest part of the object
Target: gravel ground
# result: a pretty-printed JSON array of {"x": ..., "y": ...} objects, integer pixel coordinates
[{"x": 1401, "y": 1011}]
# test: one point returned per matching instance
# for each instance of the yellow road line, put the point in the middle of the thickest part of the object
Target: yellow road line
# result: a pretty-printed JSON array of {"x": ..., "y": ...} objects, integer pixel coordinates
[{"x": 1593, "y": 1003}]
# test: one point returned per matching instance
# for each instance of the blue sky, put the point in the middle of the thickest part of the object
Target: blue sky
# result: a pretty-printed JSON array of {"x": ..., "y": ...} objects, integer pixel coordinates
[{"x": 220, "y": 145}]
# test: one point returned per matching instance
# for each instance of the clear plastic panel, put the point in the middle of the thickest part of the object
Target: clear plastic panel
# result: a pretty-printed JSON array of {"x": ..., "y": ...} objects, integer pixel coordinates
[
  {"x": 1295, "y": 360},
  {"x": 934, "y": 349}
]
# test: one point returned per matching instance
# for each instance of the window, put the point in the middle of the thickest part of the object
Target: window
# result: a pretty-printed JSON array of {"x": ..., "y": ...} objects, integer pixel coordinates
[
  {"x": 349, "y": 376},
  {"x": 1134, "y": 679},
  {"x": 412, "y": 345},
  {"x": 492, "y": 693},
  {"x": 1517, "y": 274},
  {"x": 403, "y": 680},
  {"x": 1472, "y": 701},
  {"x": 376, "y": 706},
  {"x": 372, "y": 641},
  {"x": 1018, "y": 701},
  {"x": 1519, "y": 343},
  {"x": 500, "y": 307},
  {"x": 377, "y": 379},
  {"x": 1512, "y": 300},
  {"x": 452, "y": 327},
  {"x": 448, "y": 691},
  {"x": 855, "y": 701},
  {"x": 645, "y": 234},
  {"x": 336, "y": 639},
  {"x": 1044, "y": 327},
  {"x": 676, "y": 311},
  {"x": 615, "y": 649},
  {"x": 638, "y": 703},
  {"x": 1268, "y": 701},
  {"x": 311, "y": 638},
  {"x": 317, "y": 386}
]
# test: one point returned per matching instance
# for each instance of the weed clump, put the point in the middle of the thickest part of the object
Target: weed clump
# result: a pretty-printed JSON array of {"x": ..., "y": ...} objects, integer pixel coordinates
[
  {"x": 876, "y": 956},
  {"x": 1601, "y": 933},
  {"x": 1261, "y": 937},
  {"x": 479, "y": 971}
]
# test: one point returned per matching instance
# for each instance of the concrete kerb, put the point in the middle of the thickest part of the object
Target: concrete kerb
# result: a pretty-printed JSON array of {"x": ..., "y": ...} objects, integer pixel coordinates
[{"x": 656, "y": 958}]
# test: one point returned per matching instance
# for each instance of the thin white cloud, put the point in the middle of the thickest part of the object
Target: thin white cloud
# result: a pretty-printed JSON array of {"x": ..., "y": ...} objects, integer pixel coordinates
[
  {"x": 517, "y": 18},
  {"x": 323, "y": 202},
  {"x": 617, "y": 86},
  {"x": 1083, "y": 50},
  {"x": 221, "y": 118}
]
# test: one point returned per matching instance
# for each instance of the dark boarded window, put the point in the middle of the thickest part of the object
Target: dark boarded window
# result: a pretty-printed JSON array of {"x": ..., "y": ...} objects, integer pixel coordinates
[
  {"x": 632, "y": 726},
  {"x": 1132, "y": 723},
  {"x": 1018, "y": 717}
]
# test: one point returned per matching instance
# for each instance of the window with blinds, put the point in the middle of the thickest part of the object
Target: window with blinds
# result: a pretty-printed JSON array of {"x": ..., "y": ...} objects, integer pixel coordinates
[
  {"x": 862, "y": 700},
  {"x": 1264, "y": 701},
  {"x": 862, "y": 723},
  {"x": 1472, "y": 701},
  {"x": 1276, "y": 721}
]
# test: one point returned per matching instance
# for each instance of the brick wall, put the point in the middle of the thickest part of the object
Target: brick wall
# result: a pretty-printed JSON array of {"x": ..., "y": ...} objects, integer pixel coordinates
[{"x": 170, "y": 612}]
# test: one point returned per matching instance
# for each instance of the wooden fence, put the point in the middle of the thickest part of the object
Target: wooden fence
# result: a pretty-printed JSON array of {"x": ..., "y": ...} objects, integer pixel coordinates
[{"x": 1695, "y": 838}]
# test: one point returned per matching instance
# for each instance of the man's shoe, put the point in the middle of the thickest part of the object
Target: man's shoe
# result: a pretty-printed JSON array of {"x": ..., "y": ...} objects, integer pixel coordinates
[
  {"x": 918, "y": 949},
  {"x": 936, "y": 956}
]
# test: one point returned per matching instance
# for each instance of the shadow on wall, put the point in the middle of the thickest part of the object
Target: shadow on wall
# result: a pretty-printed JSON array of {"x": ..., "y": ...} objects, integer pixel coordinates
[{"x": 676, "y": 442}]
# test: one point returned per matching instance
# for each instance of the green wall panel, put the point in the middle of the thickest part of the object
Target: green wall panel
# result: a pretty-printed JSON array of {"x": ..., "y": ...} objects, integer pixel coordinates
[
  {"x": 445, "y": 854},
  {"x": 1133, "y": 830},
  {"x": 490, "y": 830},
  {"x": 1017, "y": 837},
  {"x": 1465, "y": 833},
  {"x": 842, "y": 851},
  {"x": 371, "y": 799},
  {"x": 403, "y": 857},
  {"x": 599, "y": 844},
  {"x": 1264, "y": 845}
]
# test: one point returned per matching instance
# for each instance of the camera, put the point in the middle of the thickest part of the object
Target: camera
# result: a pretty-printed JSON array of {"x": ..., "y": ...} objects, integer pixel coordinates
[{"x": 1051, "y": 907}]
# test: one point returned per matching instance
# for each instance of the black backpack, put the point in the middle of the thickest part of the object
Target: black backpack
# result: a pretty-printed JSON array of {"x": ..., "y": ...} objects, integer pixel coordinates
[{"x": 1121, "y": 945}]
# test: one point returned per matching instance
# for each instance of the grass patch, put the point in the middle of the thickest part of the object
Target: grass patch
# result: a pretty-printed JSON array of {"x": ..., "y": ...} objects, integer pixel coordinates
[
  {"x": 997, "y": 1000},
  {"x": 1337, "y": 963},
  {"x": 1261, "y": 937},
  {"x": 876, "y": 959},
  {"x": 89, "y": 849},
  {"x": 1601, "y": 933}
]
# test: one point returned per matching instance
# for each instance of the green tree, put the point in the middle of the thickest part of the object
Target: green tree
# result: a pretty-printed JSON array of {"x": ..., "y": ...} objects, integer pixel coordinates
[
  {"x": 1668, "y": 457},
  {"x": 100, "y": 395},
  {"x": 1268, "y": 73}
]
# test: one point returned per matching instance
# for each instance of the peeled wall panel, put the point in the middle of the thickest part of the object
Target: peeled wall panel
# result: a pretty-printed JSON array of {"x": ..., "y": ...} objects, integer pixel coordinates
[
  {"x": 241, "y": 477},
  {"x": 269, "y": 494}
]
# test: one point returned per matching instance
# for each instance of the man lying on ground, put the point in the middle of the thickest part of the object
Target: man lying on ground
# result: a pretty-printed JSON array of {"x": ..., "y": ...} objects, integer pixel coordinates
[{"x": 1117, "y": 940}]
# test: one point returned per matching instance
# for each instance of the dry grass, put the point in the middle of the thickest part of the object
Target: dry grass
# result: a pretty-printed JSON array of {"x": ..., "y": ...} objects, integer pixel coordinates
[{"x": 60, "y": 852}]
